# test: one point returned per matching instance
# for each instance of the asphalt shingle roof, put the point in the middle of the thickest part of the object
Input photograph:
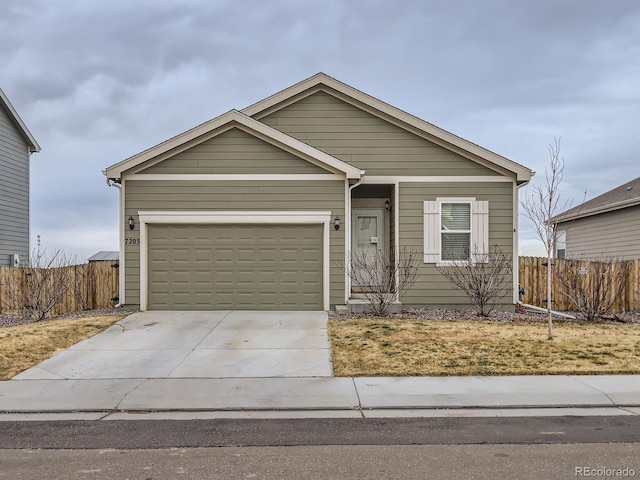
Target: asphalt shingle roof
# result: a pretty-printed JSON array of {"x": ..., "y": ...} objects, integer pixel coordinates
[{"x": 626, "y": 195}]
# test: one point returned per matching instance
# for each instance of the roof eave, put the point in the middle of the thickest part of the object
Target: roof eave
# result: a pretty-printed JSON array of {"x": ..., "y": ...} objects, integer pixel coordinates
[
  {"x": 114, "y": 172},
  {"x": 34, "y": 147},
  {"x": 563, "y": 218},
  {"x": 523, "y": 174}
]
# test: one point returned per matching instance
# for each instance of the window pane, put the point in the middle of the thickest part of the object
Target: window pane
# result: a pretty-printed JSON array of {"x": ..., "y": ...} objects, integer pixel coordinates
[
  {"x": 456, "y": 216},
  {"x": 455, "y": 246}
]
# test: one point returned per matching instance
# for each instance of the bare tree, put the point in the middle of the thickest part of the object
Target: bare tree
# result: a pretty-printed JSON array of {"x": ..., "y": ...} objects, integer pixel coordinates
[
  {"x": 380, "y": 278},
  {"x": 543, "y": 204},
  {"x": 35, "y": 289},
  {"x": 593, "y": 289},
  {"x": 485, "y": 280}
]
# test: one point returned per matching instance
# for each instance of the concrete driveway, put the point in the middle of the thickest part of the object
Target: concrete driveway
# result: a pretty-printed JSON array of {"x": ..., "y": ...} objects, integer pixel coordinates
[{"x": 217, "y": 344}]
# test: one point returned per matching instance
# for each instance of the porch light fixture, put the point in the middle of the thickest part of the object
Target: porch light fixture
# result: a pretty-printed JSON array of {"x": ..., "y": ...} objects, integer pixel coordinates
[
  {"x": 337, "y": 222},
  {"x": 387, "y": 205},
  {"x": 131, "y": 223}
]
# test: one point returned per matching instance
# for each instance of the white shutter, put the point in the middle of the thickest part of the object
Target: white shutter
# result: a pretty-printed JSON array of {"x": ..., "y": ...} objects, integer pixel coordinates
[
  {"x": 431, "y": 232},
  {"x": 480, "y": 230}
]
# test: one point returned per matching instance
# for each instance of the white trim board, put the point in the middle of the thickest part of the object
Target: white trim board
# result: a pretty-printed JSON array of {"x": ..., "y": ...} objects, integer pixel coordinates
[
  {"x": 234, "y": 177},
  {"x": 232, "y": 217},
  {"x": 313, "y": 176},
  {"x": 391, "y": 179}
]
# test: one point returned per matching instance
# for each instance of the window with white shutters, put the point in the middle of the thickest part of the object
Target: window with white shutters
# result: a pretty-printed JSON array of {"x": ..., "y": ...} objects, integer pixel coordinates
[{"x": 455, "y": 229}]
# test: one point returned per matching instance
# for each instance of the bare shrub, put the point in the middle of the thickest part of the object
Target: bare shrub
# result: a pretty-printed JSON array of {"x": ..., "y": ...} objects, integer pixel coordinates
[
  {"x": 38, "y": 287},
  {"x": 484, "y": 281},
  {"x": 380, "y": 278},
  {"x": 593, "y": 288}
]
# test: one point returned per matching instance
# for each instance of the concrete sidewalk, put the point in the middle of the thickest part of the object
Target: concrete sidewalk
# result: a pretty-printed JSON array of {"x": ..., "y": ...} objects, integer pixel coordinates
[
  {"x": 235, "y": 363},
  {"x": 326, "y": 396}
]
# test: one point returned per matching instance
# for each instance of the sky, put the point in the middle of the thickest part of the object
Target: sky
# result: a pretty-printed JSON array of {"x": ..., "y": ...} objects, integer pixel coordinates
[{"x": 97, "y": 81}]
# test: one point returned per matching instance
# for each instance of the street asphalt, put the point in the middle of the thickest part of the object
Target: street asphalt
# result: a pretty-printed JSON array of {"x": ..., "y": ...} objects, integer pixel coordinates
[{"x": 233, "y": 364}]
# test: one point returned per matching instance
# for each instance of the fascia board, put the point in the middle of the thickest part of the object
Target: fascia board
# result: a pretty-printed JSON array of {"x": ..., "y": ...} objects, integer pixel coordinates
[
  {"x": 301, "y": 147},
  {"x": 33, "y": 144},
  {"x": 269, "y": 133},
  {"x": 523, "y": 174},
  {"x": 115, "y": 171}
]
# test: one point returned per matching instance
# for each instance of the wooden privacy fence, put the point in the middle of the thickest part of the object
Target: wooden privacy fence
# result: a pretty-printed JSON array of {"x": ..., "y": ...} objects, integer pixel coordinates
[
  {"x": 625, "y": 278},
  {"x": 89, "y": 286}
]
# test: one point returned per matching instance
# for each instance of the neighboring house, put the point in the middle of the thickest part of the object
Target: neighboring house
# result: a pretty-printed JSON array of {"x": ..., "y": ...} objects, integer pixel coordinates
[
  {"x": 16, "y": 146},
  {"x": 604, "y": 227},
  {"x": 257, "y": 208}
]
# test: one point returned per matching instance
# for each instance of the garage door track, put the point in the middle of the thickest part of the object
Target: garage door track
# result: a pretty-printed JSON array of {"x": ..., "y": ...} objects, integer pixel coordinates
[{"x": 216, "y": 344}]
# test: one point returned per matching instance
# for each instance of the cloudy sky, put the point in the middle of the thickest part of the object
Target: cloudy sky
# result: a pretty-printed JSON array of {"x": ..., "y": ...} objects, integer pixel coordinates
[{"x": 97, "y": 81}]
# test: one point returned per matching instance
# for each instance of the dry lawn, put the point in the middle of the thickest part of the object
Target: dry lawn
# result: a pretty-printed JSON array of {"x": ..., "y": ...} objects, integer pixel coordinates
[
  {"x": 23, "y": 346},
  {"x": 404, "y": 347}
]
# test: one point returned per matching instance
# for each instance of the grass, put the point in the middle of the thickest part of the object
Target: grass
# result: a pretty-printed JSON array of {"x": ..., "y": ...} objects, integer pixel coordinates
[
  {"x": 23, "y": 346},
  {"x": 401, "y": 347}
]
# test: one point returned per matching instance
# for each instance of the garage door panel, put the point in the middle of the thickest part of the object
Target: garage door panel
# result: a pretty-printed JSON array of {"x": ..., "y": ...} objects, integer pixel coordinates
[{"x": 235, "y": 266}]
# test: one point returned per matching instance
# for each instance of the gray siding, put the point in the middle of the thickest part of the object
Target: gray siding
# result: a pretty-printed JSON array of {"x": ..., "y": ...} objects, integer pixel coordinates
[
  {"x": 367, "y": 141},
  {"x": 613, "y": 234},
  {"x": 432, "y": 288},
  {"x": 14, "y": 192},
  {"x": 234, "y": 151},
  {"x": 233, "y": 195}
]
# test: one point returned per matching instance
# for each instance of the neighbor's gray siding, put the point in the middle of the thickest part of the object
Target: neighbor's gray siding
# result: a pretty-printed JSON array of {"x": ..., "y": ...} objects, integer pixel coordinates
[
  {"x": 614, "y": 234},
  {"x": 367, "y": 141},
  {"x": 14, "y": 192},
  {"x": 432, "y": 288},
  {"x": 233, "y": 195},
  {"x": 234, "y": 151}
]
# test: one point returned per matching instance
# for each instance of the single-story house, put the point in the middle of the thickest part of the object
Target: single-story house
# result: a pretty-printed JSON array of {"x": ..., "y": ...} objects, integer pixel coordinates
[
  {"x": 607, "y": 226},
  {"x": 258, "y": 208},
  {"x": 16, "y": 146}
]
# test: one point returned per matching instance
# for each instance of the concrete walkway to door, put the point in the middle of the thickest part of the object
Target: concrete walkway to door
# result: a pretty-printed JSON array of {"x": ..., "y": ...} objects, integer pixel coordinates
[{"x": 214, "y": 344}]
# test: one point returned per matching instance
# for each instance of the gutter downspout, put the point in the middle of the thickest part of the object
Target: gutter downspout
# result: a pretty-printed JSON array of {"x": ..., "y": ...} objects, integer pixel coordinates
[
  {"x": 347, "y": 236},
  {"x": 516, "y": 240},
  {"x": 113, "y": 183},
  {"x": 544, "y": 310}
]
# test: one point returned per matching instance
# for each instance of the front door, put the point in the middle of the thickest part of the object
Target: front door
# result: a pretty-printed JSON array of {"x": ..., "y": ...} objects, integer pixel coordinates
[{"x": 367, "y": 247}]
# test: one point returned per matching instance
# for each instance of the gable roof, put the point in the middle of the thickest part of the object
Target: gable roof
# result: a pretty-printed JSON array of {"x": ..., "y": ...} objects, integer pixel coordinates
[
  {"x": 22, "y": 128},
  {"x": 448, "y": 140},
  {"x": 624, "y": 196},
  {"x": 232, "y": 119},
  {"x": 249, "y": 117}
]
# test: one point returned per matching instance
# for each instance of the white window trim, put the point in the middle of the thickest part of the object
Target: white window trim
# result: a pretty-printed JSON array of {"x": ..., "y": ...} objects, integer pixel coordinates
[
  {"x": 458, "y": 200},
  {"x": 146, "y": 218}
]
